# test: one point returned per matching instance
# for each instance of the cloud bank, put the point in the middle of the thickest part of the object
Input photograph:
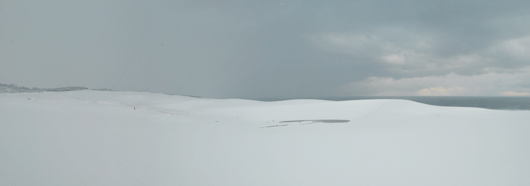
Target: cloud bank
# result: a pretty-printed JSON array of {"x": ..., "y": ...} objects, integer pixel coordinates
[
  {"x": 269, "y": 49},
  {"x": 490, "y": 84}
]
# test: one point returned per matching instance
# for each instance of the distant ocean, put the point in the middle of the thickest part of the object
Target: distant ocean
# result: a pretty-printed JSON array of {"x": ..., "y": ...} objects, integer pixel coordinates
[{"x": 498, "y": 103}]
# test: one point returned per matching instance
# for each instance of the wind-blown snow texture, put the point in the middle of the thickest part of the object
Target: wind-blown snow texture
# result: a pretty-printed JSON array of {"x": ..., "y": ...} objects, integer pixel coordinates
[{"x": 130, "y": 138}]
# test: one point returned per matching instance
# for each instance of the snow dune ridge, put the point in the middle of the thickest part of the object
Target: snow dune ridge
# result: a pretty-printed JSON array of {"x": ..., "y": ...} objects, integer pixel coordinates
[{"x": 132, "y": 138}]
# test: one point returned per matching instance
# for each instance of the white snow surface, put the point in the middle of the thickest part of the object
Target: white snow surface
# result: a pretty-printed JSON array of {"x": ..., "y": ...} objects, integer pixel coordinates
[{"x": 133, "y": 138}]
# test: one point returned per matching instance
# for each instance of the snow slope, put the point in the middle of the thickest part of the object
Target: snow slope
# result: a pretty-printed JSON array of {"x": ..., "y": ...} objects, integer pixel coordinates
[{"x": 131, "y": 138}]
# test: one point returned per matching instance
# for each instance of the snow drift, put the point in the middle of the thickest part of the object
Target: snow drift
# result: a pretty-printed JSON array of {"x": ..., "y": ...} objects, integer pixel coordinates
[{"x": 131, "y": 138}]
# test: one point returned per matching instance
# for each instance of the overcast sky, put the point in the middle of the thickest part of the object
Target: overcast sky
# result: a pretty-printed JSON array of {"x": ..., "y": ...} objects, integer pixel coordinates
[{"x": 265, "y": 49}]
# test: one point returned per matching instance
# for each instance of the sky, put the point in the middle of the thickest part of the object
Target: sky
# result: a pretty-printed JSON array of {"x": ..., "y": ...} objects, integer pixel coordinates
[{"x": 269, "y": 49}]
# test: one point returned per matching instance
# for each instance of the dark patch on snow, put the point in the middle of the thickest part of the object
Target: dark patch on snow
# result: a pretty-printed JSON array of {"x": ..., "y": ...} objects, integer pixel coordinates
[
  {"x": 275, "y": 126},
  {"x": 318, "y": 121}
]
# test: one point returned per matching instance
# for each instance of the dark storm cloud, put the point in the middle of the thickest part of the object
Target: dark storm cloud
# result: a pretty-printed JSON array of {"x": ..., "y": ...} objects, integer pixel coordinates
[{"x": 268, "y": 49}]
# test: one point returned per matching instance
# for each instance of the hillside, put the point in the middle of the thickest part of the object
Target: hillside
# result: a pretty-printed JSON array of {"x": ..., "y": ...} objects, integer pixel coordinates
[{"x": 130, "y": 138}]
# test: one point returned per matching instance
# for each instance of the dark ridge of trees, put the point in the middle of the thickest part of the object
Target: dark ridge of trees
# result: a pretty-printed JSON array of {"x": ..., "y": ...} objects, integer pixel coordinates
[{"x": 12, "y": 88}]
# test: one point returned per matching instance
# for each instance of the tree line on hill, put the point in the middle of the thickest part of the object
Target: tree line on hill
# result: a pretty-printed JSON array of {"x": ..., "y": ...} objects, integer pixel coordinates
[{"x": 12, "y": 88}]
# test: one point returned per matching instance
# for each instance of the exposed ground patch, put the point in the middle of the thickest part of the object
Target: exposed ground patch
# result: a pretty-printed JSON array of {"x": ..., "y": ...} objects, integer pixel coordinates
[
  {"x": 275, "y": 126},
  {"x": 317, "y": 121},
  {"x": 305, "y": 122}
]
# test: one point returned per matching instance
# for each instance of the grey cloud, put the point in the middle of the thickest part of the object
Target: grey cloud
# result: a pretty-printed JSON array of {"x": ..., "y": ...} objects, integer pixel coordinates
[
  {"x": 490, "y": 84},
  {"x": 257, "y": 49}
]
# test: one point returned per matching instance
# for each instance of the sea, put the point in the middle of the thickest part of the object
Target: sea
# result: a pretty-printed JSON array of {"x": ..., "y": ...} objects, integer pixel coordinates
[{"x": 497, "y": 103}]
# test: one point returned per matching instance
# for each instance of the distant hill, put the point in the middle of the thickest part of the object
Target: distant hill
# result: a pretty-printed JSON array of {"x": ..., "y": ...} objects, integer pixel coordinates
[{"x": 12, "y": 88}]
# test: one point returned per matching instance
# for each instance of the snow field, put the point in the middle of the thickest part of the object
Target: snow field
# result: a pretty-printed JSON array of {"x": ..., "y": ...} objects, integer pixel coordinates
[{"x": 132, "y": 138}]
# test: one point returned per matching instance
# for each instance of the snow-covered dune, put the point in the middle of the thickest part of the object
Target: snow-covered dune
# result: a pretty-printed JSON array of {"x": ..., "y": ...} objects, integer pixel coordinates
[{"x": 130, "y": 138}]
